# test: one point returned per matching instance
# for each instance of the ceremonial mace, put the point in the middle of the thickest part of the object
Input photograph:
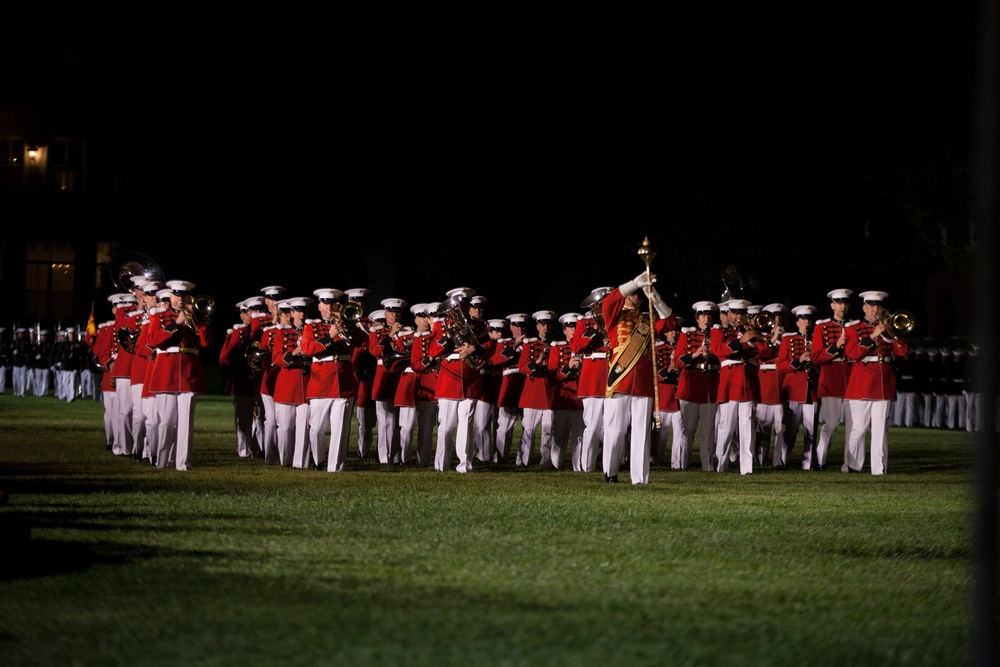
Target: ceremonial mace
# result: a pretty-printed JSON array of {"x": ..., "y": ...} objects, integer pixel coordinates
[{"x": 647, "y": 254}]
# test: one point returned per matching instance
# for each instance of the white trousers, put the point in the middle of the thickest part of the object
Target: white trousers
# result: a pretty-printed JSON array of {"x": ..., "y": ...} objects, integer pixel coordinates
[
  {"x": 627, "y": 415},
  {"x": 874, "y": 415},
  {"x": 293, "y": 444},
  {"x": 387, "y": 421},
  {"x": 831, "y": 412},
  {"x": 593, "y": 432},
  {"x": 531, "y": 418},
  {"x": 506, "y": 421},
  {"x": 703, "y": 414},
  {"x": 176, "y": 429},
  {"x": 334, "y": 413},
  {"x": 798, "y": 416},
  {"x": 456, "y": 424},
  {"x": 735, "y": 417}
]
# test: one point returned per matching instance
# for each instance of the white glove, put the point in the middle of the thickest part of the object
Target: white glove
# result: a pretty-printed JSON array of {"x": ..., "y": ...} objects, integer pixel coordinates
[
  {"x": 641, "y": 280},
  {"x": 662, "y": 309}
]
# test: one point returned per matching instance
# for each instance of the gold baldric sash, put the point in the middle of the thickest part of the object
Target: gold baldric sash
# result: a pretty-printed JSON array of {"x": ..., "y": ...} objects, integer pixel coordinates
[{"x": 626, "y": 356}]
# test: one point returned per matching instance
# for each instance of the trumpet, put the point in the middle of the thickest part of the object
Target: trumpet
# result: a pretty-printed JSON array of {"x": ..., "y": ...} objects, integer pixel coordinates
[
  {"x": 760, "y": 323},
  {"x": 202, "y": 307}
]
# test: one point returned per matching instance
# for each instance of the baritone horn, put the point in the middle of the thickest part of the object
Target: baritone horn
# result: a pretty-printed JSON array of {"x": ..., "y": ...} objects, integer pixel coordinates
[{"x": 898, "y": 324}]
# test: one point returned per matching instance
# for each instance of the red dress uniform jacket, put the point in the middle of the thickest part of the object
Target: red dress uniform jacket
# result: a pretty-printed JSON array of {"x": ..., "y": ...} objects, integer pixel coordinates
[
  {"x": 872, "y": 375},
  {"x": 386, "y": 379},
  {"x": 620, "y": 322},
  {"x": 241, "y": 379},
  {"x": 834, "y": 367},
  {"x": 698, "y": 381},
  {"x": 178, "y": 363},
  {"x": 147, "y": 354},
  {"x": 666, "y": 386},
  {"x": 122, "y": 366},
  {"x": 425, "y": 369},
  {"x": 539, "y": 389},
  {"x": 332, "y": 373},
  {"x": 505, "y": 358},
  {"x": 769, "y": 377},
  {"x": 269, "y": 374},
  {"x": 565, "y": 378},
  {"x": 798, "y": 379},
  {"x": 738, "y": 378},
  {"x": 139, "y": 321},
  {"x": 407, "y": 378},
  {"x": 293, "y": 378},
  {"x": 589, "y": 343},
  {"x": 102, "y": 351},
  {"x": 458, "y": 379}
]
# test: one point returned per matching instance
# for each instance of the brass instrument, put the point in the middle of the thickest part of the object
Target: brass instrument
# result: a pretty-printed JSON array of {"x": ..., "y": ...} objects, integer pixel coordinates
[
  {"x": 255, "y": 356},
  {"x": 202, "y": 307},
  {"x": 393, "y": 359},
  {"x": 128, "y": 264},
  {"x": 457, "y": 326},
  {"x": 759, "y": 323},
  {"x": 128, "y": 338},
  {"x": 898, "y": 324},
  {"x": 732, "y": 280},
  {"x": 593, "y": 302}
]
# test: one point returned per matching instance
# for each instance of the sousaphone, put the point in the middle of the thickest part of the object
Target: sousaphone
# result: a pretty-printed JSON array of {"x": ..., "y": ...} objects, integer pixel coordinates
[{"x": 128, "y": 264}]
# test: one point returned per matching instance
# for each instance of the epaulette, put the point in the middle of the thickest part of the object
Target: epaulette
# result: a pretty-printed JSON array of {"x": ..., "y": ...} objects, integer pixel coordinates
[
  {"x": 688, "y": 329},
  {"x": 851, "y": 323},
  {"x": 829, "y": 319}
]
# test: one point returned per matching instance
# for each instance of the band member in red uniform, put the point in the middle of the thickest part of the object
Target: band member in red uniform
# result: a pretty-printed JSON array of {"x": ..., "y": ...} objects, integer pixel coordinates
[
  {"x": 426, "y": 371},
  {"x": 798, "y": 386},
  {"x": 505, "y": 358},
  {"x": 740, "y": 347},
  {"x": 291, "y": 403},
  {"x": 101, "y": 351},
  {"x": 364, "y": 371},
  {"x": 405, "y": 400},
  {"x": 143, "y": 402},
  {"x": 567, "y": 410},
  {"x": 590, "y": 343},
  {"x": 697, "y": 385},
  {"x": 628, "y": 410},
  {"x": 834, "y": 371},
  {"x": 178, "y": 338},
  {"x": 264, "y": 323},
  {"x": 333, "y": 385},
  {"x": 386, "y": 381},
  {"x": 871, "y": 389},
  {"x": 461, "y": 350},
  {"x": 148, "y": 396},
  {"x": 485, "y": 434},
  {"x": 538, "y": 391},
  {"x": 770, "y": 411},
  {"x": 120, "y": 367},
  {"x": 242, "y": 382},
  {"x": 668, "y": 408}
]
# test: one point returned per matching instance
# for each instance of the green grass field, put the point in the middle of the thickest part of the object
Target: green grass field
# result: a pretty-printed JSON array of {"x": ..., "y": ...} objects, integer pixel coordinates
[{"x": 107, "y": 561}]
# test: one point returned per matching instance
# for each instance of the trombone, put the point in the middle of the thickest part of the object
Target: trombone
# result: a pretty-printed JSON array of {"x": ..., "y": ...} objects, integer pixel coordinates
[{"x": 898, "y": 324}]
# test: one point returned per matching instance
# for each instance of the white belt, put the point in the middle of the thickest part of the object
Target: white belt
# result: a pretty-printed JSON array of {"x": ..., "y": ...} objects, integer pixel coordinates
[
  {"x": 768, "y": 367},
  {"x": 730, "y": 362},
  {"x": 453, "y": 357},
  {"x": 408, "y": 370},
  {"x": 511, "y": 371},
  {"x": 596, "y": 355},
  {"x": 177, "y": 350},
  {"x": 874, "y": 360}
]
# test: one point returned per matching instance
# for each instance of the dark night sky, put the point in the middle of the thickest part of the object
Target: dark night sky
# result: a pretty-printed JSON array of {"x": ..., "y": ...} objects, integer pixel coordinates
[{"x": 528, "y": 157}]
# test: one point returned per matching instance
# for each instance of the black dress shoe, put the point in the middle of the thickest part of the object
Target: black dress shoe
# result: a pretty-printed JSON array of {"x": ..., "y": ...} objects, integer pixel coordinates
[
  {"x": 610, "y": 479},
  {"x": 819, "y": 468}
]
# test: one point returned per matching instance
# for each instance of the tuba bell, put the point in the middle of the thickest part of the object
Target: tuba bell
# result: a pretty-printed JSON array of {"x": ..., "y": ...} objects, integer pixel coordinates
[
  {"x": 128, "y": 264},
  {"x": 202, "y": 307},
  {"x": 457, "y": 326},
  {"x": 593, "y": 302}
]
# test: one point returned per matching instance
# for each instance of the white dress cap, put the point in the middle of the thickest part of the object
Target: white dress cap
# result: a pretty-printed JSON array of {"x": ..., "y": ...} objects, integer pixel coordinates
[
  {"x": 357, "y": 293},
  {"x": 467, "y": 291},
  {"x": 180, "y": 286},
  {"x": 115, "y": 299},
  {"x": 254, "y": 301},
  {"x": 803, "y": 311},
  {"x": 738, "y": 304},
  {"x": 519, "y": 319},
  {"x": 753, "y": 309},
  {"x": 704, "y": 307},
  {"x": 377, "y": 316},
  {"x": 544, "y": 316},
  {"x": 874, "y": 296},
  {"x": 328, "y": 294},
  {"x": 272, "y": 291},
  {"x": 839, "y": 294},
  {"x": 497, "y": 324},
  {"x": 419, "y": 310},
  {"x": 139, "y": 281},
  {"x": 569, "y": 319},
  {"x": 394, "y": 305},
  {"x": 433, "y": 308},
  {"x": 151, "y": 286},
  {"x": 164, "y": 294},
  {"x": 242, "y": 305},
  {"x": 477, "y": 300},
  {"x": 299, "y": 302},
  {"x": 775, "y": 308}
]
